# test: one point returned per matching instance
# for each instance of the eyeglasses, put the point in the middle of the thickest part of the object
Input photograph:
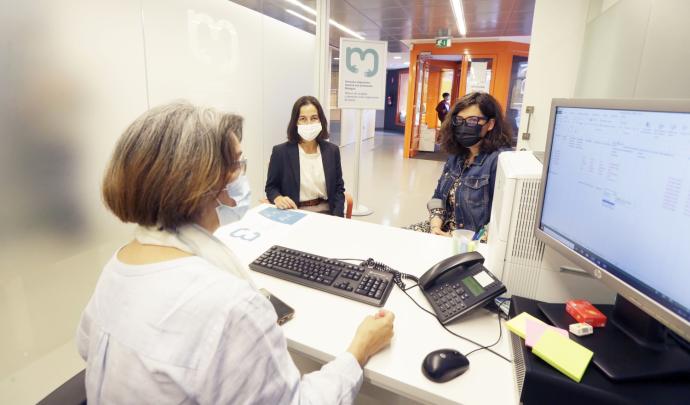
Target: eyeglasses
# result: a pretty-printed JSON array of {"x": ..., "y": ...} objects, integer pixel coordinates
[
  {"x": 240, "y": 164},
  {"x": 469, "y": 121}
]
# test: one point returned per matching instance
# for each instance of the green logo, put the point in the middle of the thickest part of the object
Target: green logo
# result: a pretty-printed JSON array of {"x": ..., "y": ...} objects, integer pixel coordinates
[{"x": 362, "y": 55}]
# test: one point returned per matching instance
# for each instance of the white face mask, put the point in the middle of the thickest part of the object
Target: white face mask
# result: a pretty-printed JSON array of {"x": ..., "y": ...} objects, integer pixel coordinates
[
  {"x": 239, "y": 191},
  {"x": 309, "y": 132}
]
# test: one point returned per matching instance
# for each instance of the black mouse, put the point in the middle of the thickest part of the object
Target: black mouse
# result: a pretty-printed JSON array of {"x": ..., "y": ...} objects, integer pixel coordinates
[{"x": 444, "y": 365}]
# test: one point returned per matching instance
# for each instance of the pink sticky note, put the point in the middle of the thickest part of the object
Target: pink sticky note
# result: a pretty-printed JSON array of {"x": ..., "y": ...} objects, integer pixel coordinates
[{"x": 534, "y": 330}]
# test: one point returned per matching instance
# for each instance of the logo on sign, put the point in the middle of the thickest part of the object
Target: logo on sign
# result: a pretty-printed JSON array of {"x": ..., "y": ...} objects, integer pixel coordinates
[{"x": 362, "y": 57}]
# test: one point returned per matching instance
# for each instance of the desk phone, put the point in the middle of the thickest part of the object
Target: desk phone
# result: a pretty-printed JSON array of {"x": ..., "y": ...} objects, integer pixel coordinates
[{"x": 458, "y": 285}]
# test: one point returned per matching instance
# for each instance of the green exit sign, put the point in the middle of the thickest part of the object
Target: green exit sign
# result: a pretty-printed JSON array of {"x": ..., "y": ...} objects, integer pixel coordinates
[{"x": 443, "y": 42}]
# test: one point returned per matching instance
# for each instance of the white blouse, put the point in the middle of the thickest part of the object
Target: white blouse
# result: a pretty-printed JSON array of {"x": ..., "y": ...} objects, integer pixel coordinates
[
  {"x": 312, "y": 181},
  {"x": 184, "y": 332}
]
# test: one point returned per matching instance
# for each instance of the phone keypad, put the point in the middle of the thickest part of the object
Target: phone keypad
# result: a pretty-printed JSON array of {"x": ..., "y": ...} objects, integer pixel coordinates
[{"x": 450, "y": 299}]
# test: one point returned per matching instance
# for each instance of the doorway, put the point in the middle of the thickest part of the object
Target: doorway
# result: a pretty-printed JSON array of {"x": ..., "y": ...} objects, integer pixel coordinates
[
  {"x": 436, "y": 75},
  {"x": 495, "y": 67}
]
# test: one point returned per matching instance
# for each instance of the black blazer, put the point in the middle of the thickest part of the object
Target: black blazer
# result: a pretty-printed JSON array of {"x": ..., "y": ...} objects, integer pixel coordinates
[{"x": 284, "y": 174}]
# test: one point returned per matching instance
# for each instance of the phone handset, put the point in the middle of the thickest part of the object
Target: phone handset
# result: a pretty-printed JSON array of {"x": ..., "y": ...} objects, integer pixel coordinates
[
  {"x": 458, "y": 285},
  {"x": 465, "y": 260}
]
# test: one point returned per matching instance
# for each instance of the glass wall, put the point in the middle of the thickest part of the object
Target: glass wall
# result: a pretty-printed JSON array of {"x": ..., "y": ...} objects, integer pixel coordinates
[
  {"x": 403, "y": 83},
  {"x": 518, "y": 80},
  {"x": 74, "y": 74},
  {"x": 479, "y": 75}
]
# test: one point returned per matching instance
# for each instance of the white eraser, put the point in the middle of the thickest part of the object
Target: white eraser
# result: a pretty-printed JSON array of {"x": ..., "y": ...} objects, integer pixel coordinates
[{"x": 580, "y": 329}]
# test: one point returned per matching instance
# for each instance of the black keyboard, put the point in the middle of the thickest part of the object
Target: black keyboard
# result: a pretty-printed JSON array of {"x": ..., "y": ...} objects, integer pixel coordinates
[{"x": 356, "y": 282}]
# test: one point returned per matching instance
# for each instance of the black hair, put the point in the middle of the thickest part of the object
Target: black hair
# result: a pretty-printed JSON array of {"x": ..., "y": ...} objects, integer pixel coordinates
[{"x": 499, "y": 136}]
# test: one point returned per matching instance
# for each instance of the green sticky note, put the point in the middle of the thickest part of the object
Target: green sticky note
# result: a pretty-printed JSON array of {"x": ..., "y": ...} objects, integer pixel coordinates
[
  {"x": 565, "y": 355},
  {"x": 518, "y": 325}
]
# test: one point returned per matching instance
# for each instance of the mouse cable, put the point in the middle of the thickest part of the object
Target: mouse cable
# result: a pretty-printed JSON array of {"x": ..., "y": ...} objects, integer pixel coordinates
[
  {"x": 481, "y": 347},
  {"x": 397, "y": 278}
]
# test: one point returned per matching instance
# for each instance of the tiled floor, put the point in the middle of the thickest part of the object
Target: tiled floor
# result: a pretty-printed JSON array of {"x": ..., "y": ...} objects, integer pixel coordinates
[{"x": 396, "y": 189}]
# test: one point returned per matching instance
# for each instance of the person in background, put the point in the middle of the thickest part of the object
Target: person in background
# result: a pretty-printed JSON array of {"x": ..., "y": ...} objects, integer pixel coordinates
[
  {"x": 443, "y": 107},
  {"x": 474, "y": 135},
  {"x": 175, "y": 317},
  {"x": 305, "y": 172}
]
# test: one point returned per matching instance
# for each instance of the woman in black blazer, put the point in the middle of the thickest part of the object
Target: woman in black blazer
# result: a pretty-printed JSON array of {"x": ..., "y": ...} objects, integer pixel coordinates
[{"x": 305, "y": 171}]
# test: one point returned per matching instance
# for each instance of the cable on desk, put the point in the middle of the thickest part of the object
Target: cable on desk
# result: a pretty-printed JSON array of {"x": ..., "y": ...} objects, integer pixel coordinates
[{"x": 398, "y": 277}]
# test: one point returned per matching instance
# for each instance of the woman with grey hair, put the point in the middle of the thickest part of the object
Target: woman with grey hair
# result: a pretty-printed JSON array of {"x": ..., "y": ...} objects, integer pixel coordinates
[{"x": 175, "y": 317}]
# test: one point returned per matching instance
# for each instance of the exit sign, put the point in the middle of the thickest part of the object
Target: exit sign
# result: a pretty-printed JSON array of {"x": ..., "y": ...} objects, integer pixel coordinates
[{"x": 443, "y": 42}]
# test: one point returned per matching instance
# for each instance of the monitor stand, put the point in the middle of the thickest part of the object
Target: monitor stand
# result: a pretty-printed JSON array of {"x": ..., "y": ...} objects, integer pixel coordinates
[{"x": 632, "y": 345}]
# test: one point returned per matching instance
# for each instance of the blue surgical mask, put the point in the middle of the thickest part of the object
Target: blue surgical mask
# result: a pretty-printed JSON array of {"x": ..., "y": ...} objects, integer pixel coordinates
[{"x": 239, "y": 191}]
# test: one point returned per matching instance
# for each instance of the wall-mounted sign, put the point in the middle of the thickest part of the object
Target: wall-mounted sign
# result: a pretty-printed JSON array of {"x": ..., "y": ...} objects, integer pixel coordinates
[
  {"x": 362, "y": 76},
  {"x": 443, "y": 42}
]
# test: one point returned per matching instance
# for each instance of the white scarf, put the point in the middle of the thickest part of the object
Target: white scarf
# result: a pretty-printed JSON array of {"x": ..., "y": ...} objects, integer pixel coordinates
[{"x": 198, "y": 241}]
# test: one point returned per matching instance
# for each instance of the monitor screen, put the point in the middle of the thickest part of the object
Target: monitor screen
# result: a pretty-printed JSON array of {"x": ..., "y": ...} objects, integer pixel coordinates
[{"x": 617, "y": 192}]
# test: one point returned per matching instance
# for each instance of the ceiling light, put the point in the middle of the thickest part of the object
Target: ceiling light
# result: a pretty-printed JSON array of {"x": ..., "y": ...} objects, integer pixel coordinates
[
  {"x": 331, "y": 21},
  {"x": 336, "y": 58},
  {"x": 397, "y": 57},
  {"x": 345, "y": 29},
  {"x": 300, "y": 16},
  {"x": 459, "y": 16},
  {"x": 302, "y": 6},
  {"x": 406, "y": 63}
]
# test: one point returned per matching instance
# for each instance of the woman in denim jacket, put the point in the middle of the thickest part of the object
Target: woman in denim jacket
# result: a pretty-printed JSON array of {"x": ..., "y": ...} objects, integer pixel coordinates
[{"x": 474, "y": 136}]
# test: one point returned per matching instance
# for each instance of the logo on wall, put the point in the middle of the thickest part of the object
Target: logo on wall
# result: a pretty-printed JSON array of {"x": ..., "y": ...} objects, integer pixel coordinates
[
  {"x": 212, "y": 42},
  {"x": 362, "y": 58}
]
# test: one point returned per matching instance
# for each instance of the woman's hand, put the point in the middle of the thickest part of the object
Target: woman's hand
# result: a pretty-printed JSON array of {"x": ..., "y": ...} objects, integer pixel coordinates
[
  {"x": 439, "y": 231},
  {"x": 436, "y": 223},
  {"x": 284, "y": 203},
  {"x": 373, "y": 334}
]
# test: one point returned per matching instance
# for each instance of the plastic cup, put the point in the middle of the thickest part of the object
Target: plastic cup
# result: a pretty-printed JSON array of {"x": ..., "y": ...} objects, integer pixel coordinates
[{"x": 462, "y": 241}]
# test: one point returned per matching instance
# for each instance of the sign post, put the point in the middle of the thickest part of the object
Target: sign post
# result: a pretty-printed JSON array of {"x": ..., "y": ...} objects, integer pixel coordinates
[{"x": 361, "y": 86}]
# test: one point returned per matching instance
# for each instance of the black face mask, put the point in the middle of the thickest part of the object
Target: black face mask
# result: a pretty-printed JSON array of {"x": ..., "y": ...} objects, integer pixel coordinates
[{"x": 467, "y": 136}]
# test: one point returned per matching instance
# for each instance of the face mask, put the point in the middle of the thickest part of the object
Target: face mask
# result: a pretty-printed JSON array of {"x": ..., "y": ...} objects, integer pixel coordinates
[
  {"x": 239, "y": 191},
  {"x": 309, "y": 132},
  {"x": 467, "y": 136}
]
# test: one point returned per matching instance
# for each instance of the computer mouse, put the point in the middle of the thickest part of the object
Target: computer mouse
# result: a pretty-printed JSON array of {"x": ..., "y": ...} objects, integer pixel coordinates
[{"x": 444, "y": 365}]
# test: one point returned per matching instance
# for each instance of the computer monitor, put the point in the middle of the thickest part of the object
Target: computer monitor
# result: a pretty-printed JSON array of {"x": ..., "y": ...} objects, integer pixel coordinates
[{"x": 615, "y": 199}]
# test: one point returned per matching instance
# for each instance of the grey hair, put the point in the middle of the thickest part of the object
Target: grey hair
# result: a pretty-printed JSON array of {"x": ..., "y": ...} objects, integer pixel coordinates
[{"x": 168, "y": 162}]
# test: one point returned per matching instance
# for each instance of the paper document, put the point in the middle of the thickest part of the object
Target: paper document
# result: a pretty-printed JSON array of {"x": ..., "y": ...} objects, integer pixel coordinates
[{"x": 288, "y": 217}]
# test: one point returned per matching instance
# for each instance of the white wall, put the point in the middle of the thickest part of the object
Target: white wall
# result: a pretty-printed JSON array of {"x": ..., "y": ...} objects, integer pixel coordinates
[
  {"x": 73, "y": 78},
  {"x": 554, "y": 55},
  {"x": 74, "y": 74},
  {"x": 636, "y": 49},
  {"x": 604, "y": 49}
]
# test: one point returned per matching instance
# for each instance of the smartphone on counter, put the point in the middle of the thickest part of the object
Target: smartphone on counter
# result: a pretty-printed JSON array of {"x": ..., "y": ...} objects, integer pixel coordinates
[{"x": 283, "y": 310}]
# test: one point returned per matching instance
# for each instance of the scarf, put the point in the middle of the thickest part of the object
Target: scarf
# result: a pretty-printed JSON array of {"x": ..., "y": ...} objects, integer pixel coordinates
[{"x": 196, "y": 240}]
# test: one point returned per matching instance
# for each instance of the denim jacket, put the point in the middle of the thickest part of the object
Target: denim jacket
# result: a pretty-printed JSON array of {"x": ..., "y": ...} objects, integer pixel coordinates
[{"x": 474, "y": 195}]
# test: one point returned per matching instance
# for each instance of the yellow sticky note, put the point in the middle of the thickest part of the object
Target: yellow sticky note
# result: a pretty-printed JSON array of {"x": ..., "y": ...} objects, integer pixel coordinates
[
  {"x": 565, "y": 355},
  {"x": 518, "y": 325}
]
